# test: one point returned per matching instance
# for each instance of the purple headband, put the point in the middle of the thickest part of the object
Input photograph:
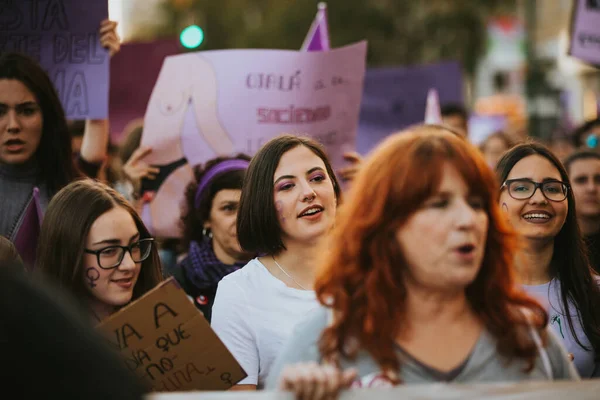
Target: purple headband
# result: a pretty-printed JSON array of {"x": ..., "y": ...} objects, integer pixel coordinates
[{"x": 223, "y": 166}]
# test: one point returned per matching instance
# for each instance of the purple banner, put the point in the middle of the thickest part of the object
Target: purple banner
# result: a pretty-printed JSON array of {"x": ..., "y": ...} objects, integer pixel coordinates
[
  {"x": 395, "y": 98},
  {"x": 585, "y": 31},
  {"x": 62, "y": 35},
  {"x": 133, "y": 73}
]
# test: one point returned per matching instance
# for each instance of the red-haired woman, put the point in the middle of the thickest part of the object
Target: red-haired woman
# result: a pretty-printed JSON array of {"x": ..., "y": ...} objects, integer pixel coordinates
[{"x": 418, "y": 284}]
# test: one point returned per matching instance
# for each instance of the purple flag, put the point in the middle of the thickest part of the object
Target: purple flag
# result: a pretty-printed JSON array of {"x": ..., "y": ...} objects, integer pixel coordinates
[
  {"x": 62, "y": 35},
  {"x": 585, "y": 31},
  {"x": 433, "y": 115},
  {"x": 317, "y": 38},
  {"x": 394, "y": 98},
  {"x": 26, "y": 237},
  {"x": 133, "y": 73}
]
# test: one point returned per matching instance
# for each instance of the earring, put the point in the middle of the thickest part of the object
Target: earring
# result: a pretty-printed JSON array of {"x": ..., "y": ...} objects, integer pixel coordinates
[{"x": 207, "y": 233}]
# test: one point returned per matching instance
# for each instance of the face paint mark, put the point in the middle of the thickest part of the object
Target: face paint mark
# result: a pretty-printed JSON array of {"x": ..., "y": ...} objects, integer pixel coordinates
[
  {"x": 92, "y": 274},
  {"x": 279, "y": 208},
  {"x": 504, "y": 207}
]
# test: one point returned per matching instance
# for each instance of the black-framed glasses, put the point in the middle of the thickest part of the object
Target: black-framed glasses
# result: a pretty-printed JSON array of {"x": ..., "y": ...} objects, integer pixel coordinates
[
  {"x": 112, "y": 256},
  {"x": 523, "y": 189}
]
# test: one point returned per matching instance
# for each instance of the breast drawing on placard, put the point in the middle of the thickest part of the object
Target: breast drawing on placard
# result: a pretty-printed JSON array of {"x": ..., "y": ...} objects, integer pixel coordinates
[
  {"x": 186, "y": 87},
  {"x": 185, "y": 81}
]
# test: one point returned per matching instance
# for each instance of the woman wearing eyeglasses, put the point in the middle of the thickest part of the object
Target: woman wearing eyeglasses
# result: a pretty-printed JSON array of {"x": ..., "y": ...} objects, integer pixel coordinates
[
  {"x": 95, "y": 246},
  {"x": 552, "y": 263}
]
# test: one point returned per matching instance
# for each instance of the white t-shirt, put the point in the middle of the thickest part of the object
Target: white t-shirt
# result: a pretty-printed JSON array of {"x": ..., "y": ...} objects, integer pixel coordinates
[{"x": 254, "y": 313}]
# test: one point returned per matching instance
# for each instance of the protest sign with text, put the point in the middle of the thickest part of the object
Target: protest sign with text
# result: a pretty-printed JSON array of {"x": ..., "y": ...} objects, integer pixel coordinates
[
  {"x": 585, "y": 31},
  {"x": 223, "y": 102},
  {"x": 166, "y": 341},
  {"x": 63, "y": 36}
]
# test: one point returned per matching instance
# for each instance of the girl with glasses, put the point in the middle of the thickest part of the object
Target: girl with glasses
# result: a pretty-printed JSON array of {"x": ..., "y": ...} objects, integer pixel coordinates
[
  {"x": 94, "y": 245},
  {"x": 537, "y": 199}
]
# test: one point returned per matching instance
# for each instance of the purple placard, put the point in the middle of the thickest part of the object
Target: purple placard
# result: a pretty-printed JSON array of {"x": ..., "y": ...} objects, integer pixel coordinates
[
  {"x": 482, "y": 126},
  {"x": 133, "y": 73},
  {"x": 585, "y": 31},
  {"x": 62, "y": 35},
  {"x": 395, "y": 98},
  {"x": 25, "y": 238}
]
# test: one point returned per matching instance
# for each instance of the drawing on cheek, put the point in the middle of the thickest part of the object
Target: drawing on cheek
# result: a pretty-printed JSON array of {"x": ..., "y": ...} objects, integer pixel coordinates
[
  {"x": 504, "y": 207},
  {"x": 279, "y": 208},
  {"x": 92, "y": 275}
]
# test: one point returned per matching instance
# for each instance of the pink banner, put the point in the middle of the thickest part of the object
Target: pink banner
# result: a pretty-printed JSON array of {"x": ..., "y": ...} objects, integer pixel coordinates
[{"x": 223, "y": 102}]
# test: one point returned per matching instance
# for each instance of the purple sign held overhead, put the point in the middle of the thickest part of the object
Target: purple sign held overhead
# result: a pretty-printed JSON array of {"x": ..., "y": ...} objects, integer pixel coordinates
[
  {"x": 585, "y": 31},
  {"x": 62, "y": 35},
  {"x": 395, "y": 98}
]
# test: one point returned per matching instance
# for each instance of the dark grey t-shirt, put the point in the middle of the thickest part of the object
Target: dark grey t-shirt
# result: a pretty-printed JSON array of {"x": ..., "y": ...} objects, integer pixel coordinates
[{"x": 483, "y": 365}]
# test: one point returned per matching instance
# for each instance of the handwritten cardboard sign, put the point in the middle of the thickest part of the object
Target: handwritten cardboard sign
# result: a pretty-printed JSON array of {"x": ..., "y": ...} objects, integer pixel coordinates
[
  {"x": 581, "y": 390},
  {"x": 166, "y": 341},
  {"x": 62, "y": 35},
  {"x": 585, "y": 31},
  {"x": 223, "y": 102}
]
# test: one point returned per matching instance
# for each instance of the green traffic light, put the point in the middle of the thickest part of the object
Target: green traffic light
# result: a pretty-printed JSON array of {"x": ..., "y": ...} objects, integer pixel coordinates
[{"x": 192, "y": 36}]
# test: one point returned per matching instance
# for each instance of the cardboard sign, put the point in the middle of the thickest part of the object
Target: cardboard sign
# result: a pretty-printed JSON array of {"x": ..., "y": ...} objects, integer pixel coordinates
[
  {"x": 584, "y": 42},
  {"x": 63, "y": 36},
  {"x": 223, "y": 102},
  {"x": 166, "y": 341},
  {"x": 582, "y": 390}
]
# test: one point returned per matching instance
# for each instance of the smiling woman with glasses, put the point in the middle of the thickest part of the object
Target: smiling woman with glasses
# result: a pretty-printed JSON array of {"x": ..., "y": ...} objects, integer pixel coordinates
[
  {"x": 94, "y": 245},
  {"x": 553, "y": 265}
]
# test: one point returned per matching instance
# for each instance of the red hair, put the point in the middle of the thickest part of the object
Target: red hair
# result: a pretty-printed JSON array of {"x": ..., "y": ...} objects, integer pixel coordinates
[{"x": 361, "y": 278}]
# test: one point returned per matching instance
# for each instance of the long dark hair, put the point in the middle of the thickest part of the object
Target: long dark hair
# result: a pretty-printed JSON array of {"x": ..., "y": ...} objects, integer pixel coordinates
[
  {"x": 67, "y": 222},
  {"x": 570, "y": 263},
  {"x": 53, "y": 154},
  {"x": 257, "y": 224}
]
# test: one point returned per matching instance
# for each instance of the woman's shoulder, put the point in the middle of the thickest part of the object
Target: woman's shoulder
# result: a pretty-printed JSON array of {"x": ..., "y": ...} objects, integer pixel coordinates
[{"x": 246, "y": 277}]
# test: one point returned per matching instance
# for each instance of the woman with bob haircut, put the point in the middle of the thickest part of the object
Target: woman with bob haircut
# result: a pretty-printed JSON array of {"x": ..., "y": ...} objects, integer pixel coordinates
[
  {"x": 287, "y": 208},
  {"x": 95, "y": 246},
  {"x": 417, "y": 286},
  {"x": 209, "y": 229},
  {"x": 552, "y": 261},
  {"x": 35, "y": 143}
]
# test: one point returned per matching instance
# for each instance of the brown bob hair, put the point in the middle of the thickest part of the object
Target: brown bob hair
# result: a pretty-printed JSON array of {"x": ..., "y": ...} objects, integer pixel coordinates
[
  {"x": 258, "y": 228},
  {"x": 362, "y": 277},
  {"x": 66, "y": 225}
]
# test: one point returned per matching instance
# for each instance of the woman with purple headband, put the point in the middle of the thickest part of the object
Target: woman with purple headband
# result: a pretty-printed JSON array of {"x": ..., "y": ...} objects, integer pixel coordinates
[{"x": 209, "y": 229}]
